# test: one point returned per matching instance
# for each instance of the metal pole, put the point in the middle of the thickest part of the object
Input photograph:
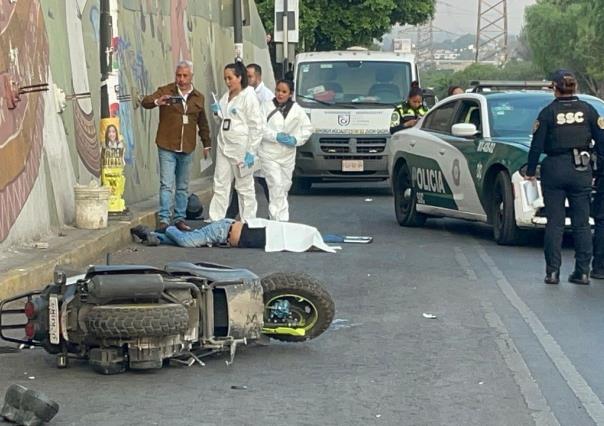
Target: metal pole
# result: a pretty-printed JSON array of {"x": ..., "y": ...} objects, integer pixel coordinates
[
  {"x": 105, "y": 31},
  {"x": 285, "y": 41},
  {"x": 238, "y": 25}
]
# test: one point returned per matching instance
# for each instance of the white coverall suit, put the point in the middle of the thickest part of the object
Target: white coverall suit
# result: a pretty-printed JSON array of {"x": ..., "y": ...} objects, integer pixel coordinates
[
  {"x": 242, "y": 134},
  {"x": 277, "y": 161}
]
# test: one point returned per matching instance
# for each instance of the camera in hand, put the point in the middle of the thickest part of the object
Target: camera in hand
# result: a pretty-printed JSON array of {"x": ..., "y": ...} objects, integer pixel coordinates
[{"x": 174, "y": 99}]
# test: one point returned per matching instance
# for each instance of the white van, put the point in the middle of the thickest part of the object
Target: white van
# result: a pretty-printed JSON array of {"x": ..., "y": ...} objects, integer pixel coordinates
[{"x": 349, "y": 97}]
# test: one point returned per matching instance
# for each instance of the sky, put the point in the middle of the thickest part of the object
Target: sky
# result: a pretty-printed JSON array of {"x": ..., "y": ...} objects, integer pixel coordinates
[{"x": 459, "y": 16}]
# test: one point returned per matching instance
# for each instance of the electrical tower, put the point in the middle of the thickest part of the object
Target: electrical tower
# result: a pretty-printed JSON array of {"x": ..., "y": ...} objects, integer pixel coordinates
[
  {"x": 423, "y": 48},
  {"x": 492, "y": 31}
]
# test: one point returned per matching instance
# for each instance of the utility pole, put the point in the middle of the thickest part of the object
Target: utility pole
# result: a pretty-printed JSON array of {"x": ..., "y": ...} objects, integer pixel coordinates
[
  {"x": 425, "y": 40},
  {"x": 238, "y": 30},
  {"x": 285, "y": 39},
  {"x": 105, "y": 53},
  {"x": 492, "y": 31}
]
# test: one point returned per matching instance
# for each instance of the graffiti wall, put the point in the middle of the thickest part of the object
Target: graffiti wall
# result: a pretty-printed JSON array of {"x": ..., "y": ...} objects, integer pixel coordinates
[{"x": 50, "y": 95}]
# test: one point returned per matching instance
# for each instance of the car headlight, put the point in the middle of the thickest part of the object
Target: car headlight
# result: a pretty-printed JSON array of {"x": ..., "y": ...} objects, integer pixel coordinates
[{"x": 522, "y": 171}]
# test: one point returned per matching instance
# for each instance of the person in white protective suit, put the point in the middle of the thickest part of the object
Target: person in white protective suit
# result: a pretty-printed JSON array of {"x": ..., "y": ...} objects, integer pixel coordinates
[
  {"x": 287, "y": 126},
  {"x": 238, "y": 140}
]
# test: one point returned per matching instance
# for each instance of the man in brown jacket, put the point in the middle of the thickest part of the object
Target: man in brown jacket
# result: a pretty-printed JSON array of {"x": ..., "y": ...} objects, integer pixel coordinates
[{"x": 181, "y": 113}]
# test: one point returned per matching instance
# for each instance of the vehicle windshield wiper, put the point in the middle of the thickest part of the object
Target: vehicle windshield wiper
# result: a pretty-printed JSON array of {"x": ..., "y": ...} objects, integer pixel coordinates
[
  {"x": 310, "y": 98},
  {"x": 390, "y": 104}
]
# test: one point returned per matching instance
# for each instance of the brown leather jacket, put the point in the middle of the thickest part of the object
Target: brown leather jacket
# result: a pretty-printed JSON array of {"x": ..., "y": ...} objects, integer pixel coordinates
[{"x": 172, "y": 134}]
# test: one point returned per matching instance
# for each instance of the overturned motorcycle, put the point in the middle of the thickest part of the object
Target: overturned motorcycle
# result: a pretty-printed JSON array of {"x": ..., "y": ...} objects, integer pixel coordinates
[{"x": 140, "y": 317}]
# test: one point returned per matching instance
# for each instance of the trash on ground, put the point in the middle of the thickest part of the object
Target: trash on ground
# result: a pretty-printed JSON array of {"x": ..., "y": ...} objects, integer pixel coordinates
[
  {"x": 368, "y": 200},
  {"x": 378, "y": 415},
  {"x": 237, "y": 387},
  {"x": 32, "y": 377},
  {"x": 40, "y": 245},
  {"x": 428, "y": 315}
]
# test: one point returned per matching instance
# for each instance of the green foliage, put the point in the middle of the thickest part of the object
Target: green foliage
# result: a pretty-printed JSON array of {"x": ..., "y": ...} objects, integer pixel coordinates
[
  {"x": 568, "y": 34},
  {"x": 440, "y": 80},
  {"x": 338, "y": 24}
]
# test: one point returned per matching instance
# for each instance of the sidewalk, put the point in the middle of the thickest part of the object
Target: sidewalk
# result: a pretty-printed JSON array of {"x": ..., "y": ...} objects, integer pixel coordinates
[{"x": 30, "y": 268}]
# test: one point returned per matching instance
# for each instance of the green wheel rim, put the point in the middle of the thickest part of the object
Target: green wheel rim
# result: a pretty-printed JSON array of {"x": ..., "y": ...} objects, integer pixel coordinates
[{"x": 307, "y": 320}]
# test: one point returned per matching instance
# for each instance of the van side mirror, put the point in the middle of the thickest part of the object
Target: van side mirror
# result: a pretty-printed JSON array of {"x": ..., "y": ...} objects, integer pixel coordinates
[{"x": 464, "y": 130}]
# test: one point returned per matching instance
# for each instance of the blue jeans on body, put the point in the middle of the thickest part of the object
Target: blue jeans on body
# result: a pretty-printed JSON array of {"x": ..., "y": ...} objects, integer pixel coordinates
[
  {"x": 174, "y": 168},
  {"x": 214, "y": 233}
]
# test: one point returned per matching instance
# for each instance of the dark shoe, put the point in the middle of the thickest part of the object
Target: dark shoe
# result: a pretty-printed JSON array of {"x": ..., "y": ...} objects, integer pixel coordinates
[
  {"x": 162, "y": 227},
  {"x": 152, "y": 241},
  {"x": 598, "y": 275},
  {"x": 141, "y": 232},
  {"x": 552, "y": 278},
  {"x": 182, "y": 226},
  {"x": 579, "y": 278}
]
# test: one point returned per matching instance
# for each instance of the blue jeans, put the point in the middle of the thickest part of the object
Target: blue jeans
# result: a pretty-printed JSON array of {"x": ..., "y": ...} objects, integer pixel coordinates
[
  {"x": 214, "y": 233},
  {"x": 174, "y": 170}
]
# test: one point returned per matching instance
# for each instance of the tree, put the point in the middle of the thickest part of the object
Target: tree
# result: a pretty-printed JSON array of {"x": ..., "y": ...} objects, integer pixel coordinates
[
  {"x": 567, "y": 34},
  {"x": 337, "y": 24},
  {"x": 440, "y": 80}
]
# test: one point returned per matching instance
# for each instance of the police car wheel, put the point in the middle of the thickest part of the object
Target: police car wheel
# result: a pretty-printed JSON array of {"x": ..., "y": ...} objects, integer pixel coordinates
[
  {"x": 405, "y": 200},
  {"x": 505, "y": 230}
]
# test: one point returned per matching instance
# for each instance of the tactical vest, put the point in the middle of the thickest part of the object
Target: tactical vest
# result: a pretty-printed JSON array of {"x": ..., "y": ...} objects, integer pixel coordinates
[
  {"x": 571, "y": 127},
  {"x": 404, "y": 110}
]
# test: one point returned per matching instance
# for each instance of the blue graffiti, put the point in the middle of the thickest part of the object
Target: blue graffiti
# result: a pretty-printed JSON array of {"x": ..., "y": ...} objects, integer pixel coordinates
[{"x": 94, "y": 17}]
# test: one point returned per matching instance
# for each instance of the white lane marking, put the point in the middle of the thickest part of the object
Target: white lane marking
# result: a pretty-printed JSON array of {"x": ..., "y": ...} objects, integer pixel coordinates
[
  {"x": 464, "y": 263},
  {"x": 573, "y": 378},
  {"x": 540, "y": 410}
]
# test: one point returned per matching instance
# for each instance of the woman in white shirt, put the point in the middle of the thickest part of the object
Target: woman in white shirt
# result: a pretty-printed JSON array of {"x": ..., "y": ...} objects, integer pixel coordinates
[
  {"x": 287, "y": 126},
  {"x": 238, "y": 139}
]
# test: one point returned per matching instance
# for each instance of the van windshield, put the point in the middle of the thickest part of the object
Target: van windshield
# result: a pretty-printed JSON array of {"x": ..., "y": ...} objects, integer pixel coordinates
[{"x": 366, "y": 83}]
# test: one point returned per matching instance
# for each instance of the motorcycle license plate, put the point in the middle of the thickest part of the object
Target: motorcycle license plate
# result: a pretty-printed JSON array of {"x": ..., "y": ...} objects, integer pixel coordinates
[
  {"x": 352, "y": 165},
  {"x": 53, "y": 319}
]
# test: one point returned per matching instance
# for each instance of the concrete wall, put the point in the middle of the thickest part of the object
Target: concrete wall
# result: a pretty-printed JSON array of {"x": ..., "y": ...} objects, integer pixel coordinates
[{"x": 45, "y": 150}]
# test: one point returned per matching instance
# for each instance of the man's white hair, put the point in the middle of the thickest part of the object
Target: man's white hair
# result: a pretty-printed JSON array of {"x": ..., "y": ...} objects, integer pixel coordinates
[{"x": 185, "y": 64}]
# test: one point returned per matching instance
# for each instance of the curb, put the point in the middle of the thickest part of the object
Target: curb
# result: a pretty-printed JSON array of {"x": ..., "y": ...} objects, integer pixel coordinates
[{"x": 35, "y": 274}]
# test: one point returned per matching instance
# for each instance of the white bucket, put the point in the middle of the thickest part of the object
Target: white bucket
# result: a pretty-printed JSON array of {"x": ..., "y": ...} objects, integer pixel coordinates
[{"x": 91, "y": 206}]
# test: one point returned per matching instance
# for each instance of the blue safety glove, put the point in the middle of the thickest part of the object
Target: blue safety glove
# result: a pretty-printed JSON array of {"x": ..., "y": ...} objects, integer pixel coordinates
[
  {"x": 215, "y": 107},
  {"x": 248, "y": 160},
  {"x": 286, "y": 139}
]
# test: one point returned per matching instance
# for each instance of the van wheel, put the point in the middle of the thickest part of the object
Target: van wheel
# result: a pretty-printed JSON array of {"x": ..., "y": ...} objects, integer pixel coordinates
[{"x": 301, "y": 186}]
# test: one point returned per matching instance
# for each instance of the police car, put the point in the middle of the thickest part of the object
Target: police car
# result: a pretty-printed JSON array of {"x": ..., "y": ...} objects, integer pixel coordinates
[{"x": 466, "y": 159}]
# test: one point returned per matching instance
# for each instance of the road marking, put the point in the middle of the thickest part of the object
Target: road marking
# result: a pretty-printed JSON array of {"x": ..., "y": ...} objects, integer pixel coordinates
[
  {"x": 541, "y": 412},
  {"x": 567, "y": 370},
  {"x": 464, "y": 263}
]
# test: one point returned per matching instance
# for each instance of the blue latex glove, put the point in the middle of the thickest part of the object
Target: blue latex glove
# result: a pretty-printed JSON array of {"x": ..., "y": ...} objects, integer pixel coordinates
[
  {"x": 286, "y": 139},
  {"x": 248, "y": 160},
  {"x": 215, "y": 107}
]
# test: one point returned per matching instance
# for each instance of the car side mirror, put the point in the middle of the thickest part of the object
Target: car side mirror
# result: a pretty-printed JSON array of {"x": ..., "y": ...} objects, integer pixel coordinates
[{"x": 464, "y": 130}]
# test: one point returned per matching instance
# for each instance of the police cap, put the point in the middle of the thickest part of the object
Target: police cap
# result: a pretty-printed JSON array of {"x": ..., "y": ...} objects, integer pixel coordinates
[{"x": 561, "y": 77}]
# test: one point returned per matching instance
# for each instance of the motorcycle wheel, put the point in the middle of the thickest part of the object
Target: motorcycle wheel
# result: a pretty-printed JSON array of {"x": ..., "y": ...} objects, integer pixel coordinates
[
  {"x": 144, "y": 320},
  {"x": 296, "y": 300}
]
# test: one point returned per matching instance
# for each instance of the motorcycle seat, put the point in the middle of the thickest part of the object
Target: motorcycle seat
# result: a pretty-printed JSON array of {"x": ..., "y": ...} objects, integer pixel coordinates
[{"x": 209, "y": 271}]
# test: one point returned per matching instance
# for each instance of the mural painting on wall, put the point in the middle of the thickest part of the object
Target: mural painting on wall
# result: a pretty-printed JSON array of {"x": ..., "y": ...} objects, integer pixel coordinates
[
  {"x": 87, "y": 144},
  {"x": 23, "y": 62},
  {"x": 178, "y": 24}
]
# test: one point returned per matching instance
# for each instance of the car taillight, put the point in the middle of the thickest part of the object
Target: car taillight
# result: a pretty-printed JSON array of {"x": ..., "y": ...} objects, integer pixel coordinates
[
  {"x": 30, "y": 310},
  {"x": 30, "y": 330}
]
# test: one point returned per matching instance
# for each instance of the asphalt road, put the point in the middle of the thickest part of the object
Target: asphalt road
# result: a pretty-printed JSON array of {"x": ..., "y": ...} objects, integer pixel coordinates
[{"x": 504, "y": 348}]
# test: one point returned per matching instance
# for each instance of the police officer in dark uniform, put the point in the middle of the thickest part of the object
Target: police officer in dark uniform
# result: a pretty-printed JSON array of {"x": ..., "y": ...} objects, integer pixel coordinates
[
  {"x": 597, "y": 266},
  {"x": 564, "y": 130},
  {"x": 406, "y": 114}
]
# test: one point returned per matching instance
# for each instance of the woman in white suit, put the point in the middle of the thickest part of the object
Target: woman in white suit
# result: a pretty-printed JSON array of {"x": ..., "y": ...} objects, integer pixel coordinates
[{"x": 287, "y": 126}]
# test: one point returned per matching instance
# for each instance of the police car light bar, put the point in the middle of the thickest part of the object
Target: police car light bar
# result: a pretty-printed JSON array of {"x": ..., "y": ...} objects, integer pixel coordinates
[{"x": 480, "y": 85}]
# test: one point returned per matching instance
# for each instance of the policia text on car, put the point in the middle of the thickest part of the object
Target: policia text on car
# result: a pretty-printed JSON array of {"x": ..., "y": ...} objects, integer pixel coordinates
[{"x": 564, "y": 130}]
